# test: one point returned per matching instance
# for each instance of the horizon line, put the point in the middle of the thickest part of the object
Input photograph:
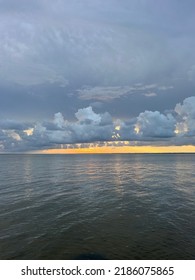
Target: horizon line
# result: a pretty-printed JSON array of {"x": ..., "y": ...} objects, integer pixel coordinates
[{"x": 185, "y": 149}]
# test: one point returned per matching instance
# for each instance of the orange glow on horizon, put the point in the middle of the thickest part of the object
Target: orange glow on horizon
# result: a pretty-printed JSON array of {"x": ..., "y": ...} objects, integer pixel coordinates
[{"x": 120, "y": 150}]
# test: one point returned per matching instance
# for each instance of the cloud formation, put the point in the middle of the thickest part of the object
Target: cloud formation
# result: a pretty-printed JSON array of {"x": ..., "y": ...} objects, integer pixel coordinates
[
  {"x": 186, "y": 117},
  {"x": 107, "y": 44},
  {"x": 87, "y": 115},
  {"x": 114, "y": 92},
  {"x": 155, "y": 124},
  {"x": 90, "y": 127},
  {"x": 103, "y": 93}
]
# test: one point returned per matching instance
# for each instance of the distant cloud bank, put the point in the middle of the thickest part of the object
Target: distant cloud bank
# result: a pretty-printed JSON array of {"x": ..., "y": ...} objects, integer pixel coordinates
[{"x": 152, "y": 127}]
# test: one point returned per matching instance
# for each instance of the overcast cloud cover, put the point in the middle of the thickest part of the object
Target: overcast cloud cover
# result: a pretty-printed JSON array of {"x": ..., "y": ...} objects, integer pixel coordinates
[{"x": 85, "y": 71}]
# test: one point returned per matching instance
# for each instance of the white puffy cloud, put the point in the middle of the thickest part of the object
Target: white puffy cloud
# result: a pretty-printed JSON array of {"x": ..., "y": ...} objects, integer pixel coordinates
[
  {"x": 59, "y": 120},
  {"x": 186, "y": 116},
  {"x": 154, "y": 124},
  {"x": 187, "y": 109},
  {"x": 88, "y": 127},
  {"x": 87, "y": 114}
]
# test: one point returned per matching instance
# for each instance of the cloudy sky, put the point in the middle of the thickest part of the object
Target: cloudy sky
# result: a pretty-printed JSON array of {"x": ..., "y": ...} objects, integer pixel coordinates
[{"x": 81, "y": 72}]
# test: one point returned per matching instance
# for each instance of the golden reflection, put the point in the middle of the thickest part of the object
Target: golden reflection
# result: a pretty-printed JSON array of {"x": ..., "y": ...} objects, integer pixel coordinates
[
  {"x": 28, "y": 177},
  {"x": 118, "y": 170}
]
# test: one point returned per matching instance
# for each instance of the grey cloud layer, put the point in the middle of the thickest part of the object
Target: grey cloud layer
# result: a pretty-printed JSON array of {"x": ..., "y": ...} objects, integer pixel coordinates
[
  {"x": 112, "y": 43},
  {"x": 176, "y": 128},
  {"x": 110, "y": 93}
]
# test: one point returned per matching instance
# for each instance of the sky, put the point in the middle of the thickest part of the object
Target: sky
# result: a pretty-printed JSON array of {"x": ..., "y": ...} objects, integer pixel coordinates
[{"x": 93, "y": 74}]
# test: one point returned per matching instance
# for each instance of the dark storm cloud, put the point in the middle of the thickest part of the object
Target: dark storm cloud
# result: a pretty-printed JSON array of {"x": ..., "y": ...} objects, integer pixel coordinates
[{"x": 131, "y": 59}]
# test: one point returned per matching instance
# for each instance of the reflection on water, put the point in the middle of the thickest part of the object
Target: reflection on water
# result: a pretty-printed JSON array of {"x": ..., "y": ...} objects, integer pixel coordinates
[
  {"x": 27, "y": 166},
  {"x": 97, "y": 206}
]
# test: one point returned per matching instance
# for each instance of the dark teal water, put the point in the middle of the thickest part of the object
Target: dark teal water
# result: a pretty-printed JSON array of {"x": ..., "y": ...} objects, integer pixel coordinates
[{"x": 97, "y": 206}]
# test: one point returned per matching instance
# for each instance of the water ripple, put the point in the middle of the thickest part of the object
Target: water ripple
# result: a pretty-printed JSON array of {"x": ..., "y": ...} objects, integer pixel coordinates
[{"x": 97, "y": 206}]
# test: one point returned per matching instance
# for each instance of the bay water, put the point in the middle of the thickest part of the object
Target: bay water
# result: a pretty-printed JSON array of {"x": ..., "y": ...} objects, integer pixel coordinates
[{"x": 114, "y": 206}]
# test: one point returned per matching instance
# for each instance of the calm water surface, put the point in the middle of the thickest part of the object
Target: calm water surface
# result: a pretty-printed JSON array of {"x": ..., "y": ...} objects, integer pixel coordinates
[{"x": 97, "y": 206}]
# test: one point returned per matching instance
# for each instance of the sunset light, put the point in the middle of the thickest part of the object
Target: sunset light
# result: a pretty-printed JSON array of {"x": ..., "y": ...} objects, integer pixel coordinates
[{"x": 120, "y": 150}]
